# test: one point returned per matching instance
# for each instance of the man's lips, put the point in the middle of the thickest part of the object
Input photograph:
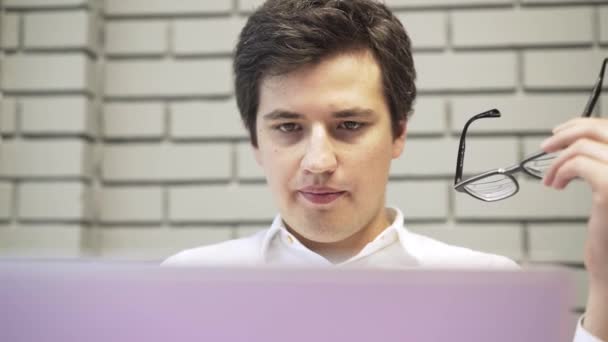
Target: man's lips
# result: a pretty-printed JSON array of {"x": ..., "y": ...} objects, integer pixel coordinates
[{"x": 321, "y": 195}]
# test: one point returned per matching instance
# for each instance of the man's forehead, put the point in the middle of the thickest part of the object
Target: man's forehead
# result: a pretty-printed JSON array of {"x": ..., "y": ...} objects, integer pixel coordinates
[{"x": 363, "y": 59}]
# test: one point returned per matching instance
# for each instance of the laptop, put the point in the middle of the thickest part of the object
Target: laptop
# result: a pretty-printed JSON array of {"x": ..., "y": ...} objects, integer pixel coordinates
[{"x": 79, "y": 301}]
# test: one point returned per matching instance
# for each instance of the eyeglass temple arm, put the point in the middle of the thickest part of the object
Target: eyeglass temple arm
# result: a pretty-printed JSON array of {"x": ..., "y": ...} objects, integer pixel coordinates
[
  {"x": 595, "y": 93},
  {"x": 492, "y": 113}
]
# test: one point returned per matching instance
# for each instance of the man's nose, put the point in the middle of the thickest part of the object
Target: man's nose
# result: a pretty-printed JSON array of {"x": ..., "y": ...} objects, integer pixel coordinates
[{"x": 320, "y": 156}]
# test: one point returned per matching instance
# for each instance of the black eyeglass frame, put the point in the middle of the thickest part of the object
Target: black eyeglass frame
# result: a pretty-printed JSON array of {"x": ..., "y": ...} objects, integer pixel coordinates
[{"x": 460, "y": 185}]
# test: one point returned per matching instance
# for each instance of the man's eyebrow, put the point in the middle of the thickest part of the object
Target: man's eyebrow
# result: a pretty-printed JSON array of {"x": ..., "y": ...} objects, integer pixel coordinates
[
  {"x": 353, "y": 113},
  {"x": 356, "y": 112},
  {"x": 281, "y": 114}
]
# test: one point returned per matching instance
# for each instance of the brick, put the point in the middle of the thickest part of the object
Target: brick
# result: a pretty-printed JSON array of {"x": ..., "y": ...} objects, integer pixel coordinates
[
  {"x": 185, "y": 162},
  {"x": 479, "y": 71},
  {"x": 131, "y": 204},
  {"x": 219, "y": 203},
  {"x": 444, "y": 3},
  {"x": 162, "y": 7},
  {"x": 58, "y": 30},
  {"x": 534, "y": 201},
  {"x": 8, "y": 112},
  {"x": 419, "y": 200},
  {"x": 57, "y": 115},
  {"x": 426, "y": 156},
  {"x": 569, "y": 69},
  {"x": 10, "y": 31},
  {"x": 603, "y": 24},
  {"x": 134, "y": 120},
  {"x": 136, "y": 37},
  {"x": 501, "y": 239},
  {"x": 48, "y": 73},
  {"x": 247, "y": 167},
  {"x": 25, "y": 159},
  {"x": 429, "y": 116},
  {"x": 168, "y": 78},
  {"x": 29, "y": 4},
  {"x": 530, "y": 113},
  {"x": 206, "y": 36},
  {"x": 558, "y": 2},
  {"x": 529, "y": 27},
  {"x": 217, "y": 119},
  {"x": 48, "y": 241},
  {"x": 6, "y": 200},
  {"x": 249, "y": 5},
  {"x": 154, "y": 244},
  {"x": 483, "y": 154},
  {"x": 59, "y": 201},
  {"x": 428, "y": 30},
  {"x": 557, "y": 242}
]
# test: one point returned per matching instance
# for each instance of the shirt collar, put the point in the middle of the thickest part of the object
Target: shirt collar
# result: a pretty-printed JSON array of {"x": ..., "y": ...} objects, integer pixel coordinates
[{"x": 394, "y": 232}]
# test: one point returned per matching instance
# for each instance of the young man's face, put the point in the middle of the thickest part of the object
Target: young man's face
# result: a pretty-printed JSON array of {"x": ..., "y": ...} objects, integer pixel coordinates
[{"x": 325, "y": 143}]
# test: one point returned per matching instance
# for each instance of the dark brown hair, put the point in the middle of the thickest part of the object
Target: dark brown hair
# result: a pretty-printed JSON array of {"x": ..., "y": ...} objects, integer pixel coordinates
[{"x": 283, "y": 35}]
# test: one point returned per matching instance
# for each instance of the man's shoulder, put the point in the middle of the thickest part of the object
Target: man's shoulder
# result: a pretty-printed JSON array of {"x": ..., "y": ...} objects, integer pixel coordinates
[
  {"x": 242, "y": 251},
  {"x": 434, "y": 253}
]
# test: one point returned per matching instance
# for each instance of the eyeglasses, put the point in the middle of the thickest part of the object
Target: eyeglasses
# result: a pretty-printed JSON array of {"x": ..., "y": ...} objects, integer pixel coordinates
[{"x": 496, "y": 185}]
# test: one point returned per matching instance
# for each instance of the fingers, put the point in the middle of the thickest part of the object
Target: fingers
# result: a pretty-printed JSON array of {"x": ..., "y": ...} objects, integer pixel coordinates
[
  {"x": 583, "y": 147},
  {"x": 573, "y": 130},
  {"x": 589, "y": 169}
]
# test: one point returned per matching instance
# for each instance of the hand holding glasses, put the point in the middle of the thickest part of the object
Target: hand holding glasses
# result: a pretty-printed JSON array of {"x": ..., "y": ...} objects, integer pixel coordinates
[{"x": 496, "y": 185}]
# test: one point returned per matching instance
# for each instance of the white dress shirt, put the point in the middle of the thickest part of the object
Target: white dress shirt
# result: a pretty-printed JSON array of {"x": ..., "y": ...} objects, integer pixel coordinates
[{"x": 395, "y": 247}]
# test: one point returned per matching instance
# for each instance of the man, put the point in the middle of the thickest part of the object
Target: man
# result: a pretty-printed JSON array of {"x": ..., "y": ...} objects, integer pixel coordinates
[{"x": 325, "y": 89}]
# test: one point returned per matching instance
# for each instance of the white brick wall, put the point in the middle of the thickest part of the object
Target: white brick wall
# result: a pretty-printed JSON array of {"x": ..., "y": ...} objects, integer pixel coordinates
[
  {"x": 47, "y": 73},
  {"x": 61, "y": 158},
  {"x": 134, "y": 120},
  {"x": 57, "y": 201},
  {"x": 604, "y": 24},
  {"x": 208, "y": 119},
  {"x": 6, "y": 193},
  {"x": 526, "y": 27},
  {"x": 59, "y": 115},
  {"x": 44, "y": 4},
  {"x": 501, "y": 239},
  {"x": 555, "y": 242},
  {"x": 162, "y": 7},
  {"x": 8, "y": 111},
  {"x": 51, "y": 241},
  {"x": 183, "y": 162},
  {"x": 136, "y": 135},
  {"x": 471, "y": 71},
  {"x": 569, "y": 69},
  {"x": 10, "y": 31},
  {"x": 430, "y": 29},
  {"x": 207, "y": 36},
  {"x": 131, "y": 204},
  {"x": 57, "y": 30},
  {"x": 168, "y": 78},
  {"x": 129, "y": 38}
]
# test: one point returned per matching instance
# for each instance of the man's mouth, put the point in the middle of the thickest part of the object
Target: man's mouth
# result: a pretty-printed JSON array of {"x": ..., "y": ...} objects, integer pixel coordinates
[{"x": 320, "y": 195}]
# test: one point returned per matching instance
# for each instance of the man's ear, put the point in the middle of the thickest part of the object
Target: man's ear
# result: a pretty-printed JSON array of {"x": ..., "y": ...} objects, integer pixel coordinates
[{"x": 399, "y": 141}]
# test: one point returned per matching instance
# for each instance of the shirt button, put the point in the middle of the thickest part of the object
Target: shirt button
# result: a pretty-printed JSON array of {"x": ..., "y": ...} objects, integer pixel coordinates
[{"x": 289, "y": 239}]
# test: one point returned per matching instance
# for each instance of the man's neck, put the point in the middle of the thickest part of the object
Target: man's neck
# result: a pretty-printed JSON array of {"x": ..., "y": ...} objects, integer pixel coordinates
[{"x": 340, "y": 251}]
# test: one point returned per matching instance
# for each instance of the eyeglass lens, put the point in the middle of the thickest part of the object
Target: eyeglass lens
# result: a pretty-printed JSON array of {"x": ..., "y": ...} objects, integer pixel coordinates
[
  {"x": 493, "y": 187},
  {"x": 539, "y": 166}
]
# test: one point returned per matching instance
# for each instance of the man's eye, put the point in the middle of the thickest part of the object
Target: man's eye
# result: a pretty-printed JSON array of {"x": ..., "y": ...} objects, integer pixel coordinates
[
  {"x": 288, "y": 127},
  {"x": 351, "y": 125}
]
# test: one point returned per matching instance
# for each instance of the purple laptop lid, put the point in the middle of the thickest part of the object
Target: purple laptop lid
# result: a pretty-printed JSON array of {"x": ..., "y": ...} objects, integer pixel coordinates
[{"x": 108, "y": 302}]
